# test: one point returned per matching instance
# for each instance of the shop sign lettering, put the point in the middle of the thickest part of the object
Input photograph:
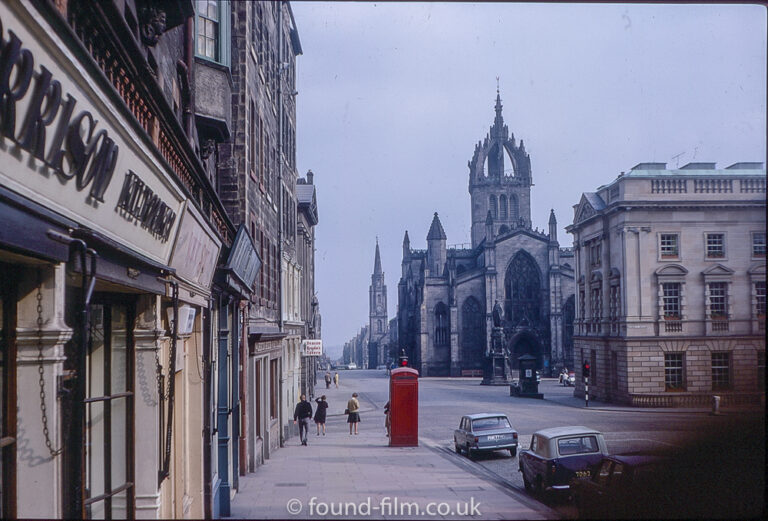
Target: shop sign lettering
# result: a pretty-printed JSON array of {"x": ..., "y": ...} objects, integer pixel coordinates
[
  {"x": 38, "y": 116},
  {"x": 138, "y": 201}
]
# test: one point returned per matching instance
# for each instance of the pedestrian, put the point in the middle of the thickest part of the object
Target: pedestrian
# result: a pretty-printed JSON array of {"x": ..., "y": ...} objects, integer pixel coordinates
[
  {"x": 353, "y": 408},
  {"x": 336, "y": 380},
  {"x": 327, "y": 380},
  {"x": 322, "y": 405},
  {"x": 303, "y": 413},
  {"x": 387, "y": 418}
]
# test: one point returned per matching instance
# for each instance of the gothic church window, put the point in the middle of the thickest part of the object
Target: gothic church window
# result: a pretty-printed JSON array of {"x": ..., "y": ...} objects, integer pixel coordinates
[
  {"x": 522, "y": 291},
  {"x": 494, "y": 207},
  {"x": 441, "y": 325},
  {"x": 472, "y": 333},
  {"x": 503, "y": 206},
  {"x": 513, "y": 208}
]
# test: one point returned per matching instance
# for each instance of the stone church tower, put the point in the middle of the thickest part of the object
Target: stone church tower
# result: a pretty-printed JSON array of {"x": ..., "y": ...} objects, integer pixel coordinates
[
  {"x": 446, "y": 294},
  {"x": 378, "y": 325},
  {"x": 499, "y": 181}
]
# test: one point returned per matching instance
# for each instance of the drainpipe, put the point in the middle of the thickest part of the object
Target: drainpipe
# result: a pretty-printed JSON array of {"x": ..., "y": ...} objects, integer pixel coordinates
[
  {"x": 165, "y": 470},
  {"x": 75, "y": 438}
]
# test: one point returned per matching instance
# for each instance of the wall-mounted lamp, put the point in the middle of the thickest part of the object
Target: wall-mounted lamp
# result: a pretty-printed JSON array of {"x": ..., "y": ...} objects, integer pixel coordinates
[{"x": 186, "y": 319}]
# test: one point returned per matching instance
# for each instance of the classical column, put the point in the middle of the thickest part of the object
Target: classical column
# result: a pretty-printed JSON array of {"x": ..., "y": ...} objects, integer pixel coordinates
[{"x": 147, "y": 335}]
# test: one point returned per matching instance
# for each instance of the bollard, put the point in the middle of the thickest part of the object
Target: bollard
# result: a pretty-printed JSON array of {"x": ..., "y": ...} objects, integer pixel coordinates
[{"x": 715, "y": 405}]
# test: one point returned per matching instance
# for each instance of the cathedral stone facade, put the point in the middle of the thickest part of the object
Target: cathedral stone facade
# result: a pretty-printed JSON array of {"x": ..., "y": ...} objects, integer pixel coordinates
[{"x": 446, "y": 295}]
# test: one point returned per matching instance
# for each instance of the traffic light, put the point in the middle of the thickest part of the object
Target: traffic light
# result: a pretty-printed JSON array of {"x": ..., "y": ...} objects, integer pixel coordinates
[
  {"x": 585, "y": 369},
  {"x": 403, "y": 359}
]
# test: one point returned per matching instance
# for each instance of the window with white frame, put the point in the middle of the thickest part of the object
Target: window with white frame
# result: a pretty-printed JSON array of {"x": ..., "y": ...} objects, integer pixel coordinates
[
  {"x": 212, "y": 30},
  {"x": 721, "y": 370},
  {"x": 760, "y": 298},
  {"x": 673, "y": 371},
  {"x": 669, "y": 247},
  {"x": 715, "y": 245},
  {"x": 671, "y": 300},
  {"x": 718, "y": 300},
  {"x": 758, "y": 244}
]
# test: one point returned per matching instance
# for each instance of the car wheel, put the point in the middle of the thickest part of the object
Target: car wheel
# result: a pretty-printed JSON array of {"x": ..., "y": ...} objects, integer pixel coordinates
[
  {"x": 539, "y": 486},
  {"x": 526, "y": 483},
  {"x": 458, "y": 449},
  {"x": 470, "y": 453},
  {"x": 513, "y": 452}
]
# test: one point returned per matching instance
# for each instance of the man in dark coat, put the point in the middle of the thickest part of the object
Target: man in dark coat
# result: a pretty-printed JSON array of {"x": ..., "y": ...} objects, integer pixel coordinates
[{"x": 303, "y": 413}]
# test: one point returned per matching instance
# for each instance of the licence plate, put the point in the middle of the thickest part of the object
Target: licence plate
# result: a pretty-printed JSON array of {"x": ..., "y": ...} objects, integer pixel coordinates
[
  {"x": 582, "y": 473},
  {"x": 496, "y": 437}
]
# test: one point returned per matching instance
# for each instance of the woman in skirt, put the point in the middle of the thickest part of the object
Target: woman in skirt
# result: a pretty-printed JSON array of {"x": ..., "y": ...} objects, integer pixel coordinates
[{"x": 353, "y": 406}]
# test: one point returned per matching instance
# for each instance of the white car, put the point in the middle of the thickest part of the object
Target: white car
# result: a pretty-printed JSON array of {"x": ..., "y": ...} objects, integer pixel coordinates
[{"x": 352, "y": 365}]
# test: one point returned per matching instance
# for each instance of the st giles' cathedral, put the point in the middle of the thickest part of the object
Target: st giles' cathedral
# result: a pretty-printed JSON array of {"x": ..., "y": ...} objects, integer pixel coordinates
[{"x": 446, "y": 296}]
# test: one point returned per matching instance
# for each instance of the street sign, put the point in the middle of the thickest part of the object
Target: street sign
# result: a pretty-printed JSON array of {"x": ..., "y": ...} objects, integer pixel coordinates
[{"x": 313, "y": 347}]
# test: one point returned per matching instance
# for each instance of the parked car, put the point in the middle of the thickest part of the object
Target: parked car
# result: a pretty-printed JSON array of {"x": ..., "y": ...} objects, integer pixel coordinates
[
  {"x": 625, "y": 487},
  {"x": 484, "y": 432},
  {"x": 559, "y": 454},
  {"x": 352, "y": 365}
]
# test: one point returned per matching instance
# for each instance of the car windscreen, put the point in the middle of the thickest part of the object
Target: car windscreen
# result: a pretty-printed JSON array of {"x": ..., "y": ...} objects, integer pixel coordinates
[
  {"x": 577, "y": 445},
  {"x": 486, "y": 424}
]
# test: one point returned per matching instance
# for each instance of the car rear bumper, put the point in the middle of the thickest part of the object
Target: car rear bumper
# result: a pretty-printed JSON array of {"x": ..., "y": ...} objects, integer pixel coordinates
[{"x": 501, "y": 446}]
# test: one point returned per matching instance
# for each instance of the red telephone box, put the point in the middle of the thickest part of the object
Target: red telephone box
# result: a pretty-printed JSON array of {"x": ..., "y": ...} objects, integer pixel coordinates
[{"x": 404, "y": 407}]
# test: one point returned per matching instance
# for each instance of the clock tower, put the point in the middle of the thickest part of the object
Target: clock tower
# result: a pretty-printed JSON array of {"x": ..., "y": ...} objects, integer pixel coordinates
[{"x": 378, "y": 326}]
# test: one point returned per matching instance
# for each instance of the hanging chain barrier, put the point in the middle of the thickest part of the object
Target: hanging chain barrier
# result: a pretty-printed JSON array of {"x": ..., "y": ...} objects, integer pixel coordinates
[{"x": 40, "y": 369}]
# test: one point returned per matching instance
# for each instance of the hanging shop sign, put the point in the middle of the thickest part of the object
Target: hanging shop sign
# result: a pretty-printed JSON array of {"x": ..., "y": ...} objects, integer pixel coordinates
[
  {"x": 196, "y": 250},
  {"x": 64, "y": 146},
  {"x": 313, "y": 347},
  {"x": 243, "y": 260}
]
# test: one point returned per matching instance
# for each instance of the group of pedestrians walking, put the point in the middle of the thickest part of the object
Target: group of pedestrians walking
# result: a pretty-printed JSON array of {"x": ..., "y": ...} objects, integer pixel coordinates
[{"x": 302, "y": 414}]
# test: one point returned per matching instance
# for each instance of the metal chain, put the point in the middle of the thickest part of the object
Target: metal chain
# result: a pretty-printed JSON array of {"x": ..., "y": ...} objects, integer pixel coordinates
[
  {"x": 40, "y": 370},
  {"x": 163, "y": 395}
]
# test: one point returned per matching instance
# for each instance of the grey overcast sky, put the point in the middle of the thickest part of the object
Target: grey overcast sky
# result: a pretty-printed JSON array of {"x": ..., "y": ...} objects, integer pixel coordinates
[{"x": 393, "y": 98}]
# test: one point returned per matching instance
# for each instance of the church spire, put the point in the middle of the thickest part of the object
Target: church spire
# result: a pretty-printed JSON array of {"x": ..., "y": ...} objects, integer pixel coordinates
[
  {"x": 377, "y": 261},
  {"x": 499, "y": 121}
]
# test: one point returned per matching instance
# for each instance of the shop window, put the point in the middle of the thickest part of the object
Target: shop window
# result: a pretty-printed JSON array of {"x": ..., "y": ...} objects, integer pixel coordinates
[
  {"x": 673, "y": 371},
  {"x": 669, "y": 247},
  {"x": 109, "y": 401},
  {"x": 715, "y": 244},
  {"x": 212, "y": 30},
  {"x": 721, "y": 371}
]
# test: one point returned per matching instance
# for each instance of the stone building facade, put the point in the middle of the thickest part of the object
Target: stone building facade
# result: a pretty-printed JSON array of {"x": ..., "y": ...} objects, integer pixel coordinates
[
  {"x": 446, "y": 295},
  {"x": 670, "y": 268}
]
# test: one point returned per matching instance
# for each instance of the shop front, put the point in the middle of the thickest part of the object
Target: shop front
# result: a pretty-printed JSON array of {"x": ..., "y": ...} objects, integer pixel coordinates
[{"x": 97, "y": 241}]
